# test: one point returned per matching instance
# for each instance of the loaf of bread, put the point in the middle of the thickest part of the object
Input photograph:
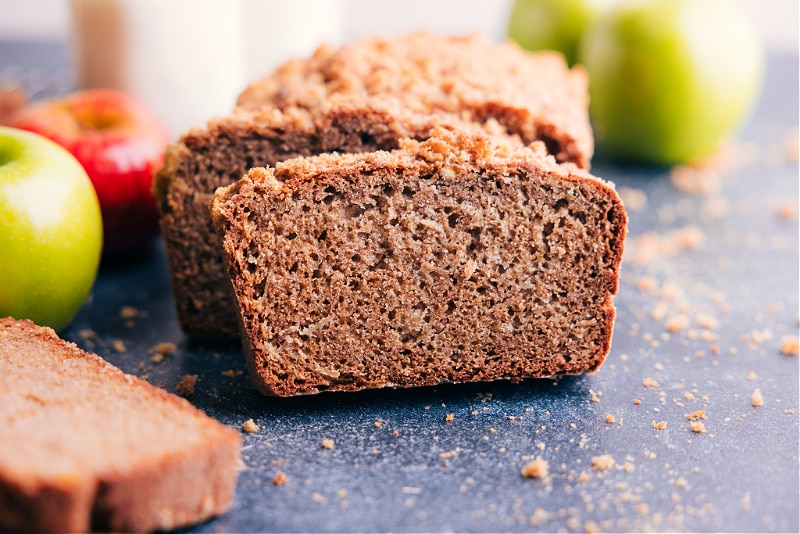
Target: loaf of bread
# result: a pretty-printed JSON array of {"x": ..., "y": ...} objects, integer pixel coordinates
[
  {"x": 455, "y": 259},
  {"x": 361, "y": 97},
  {"x": 85, "y": 447}
]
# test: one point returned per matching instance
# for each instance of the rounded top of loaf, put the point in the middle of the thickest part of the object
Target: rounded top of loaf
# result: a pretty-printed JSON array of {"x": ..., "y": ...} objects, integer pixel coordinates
[
  {"x": 425, "y": 71},
  {"x": 468, "y": 78}
]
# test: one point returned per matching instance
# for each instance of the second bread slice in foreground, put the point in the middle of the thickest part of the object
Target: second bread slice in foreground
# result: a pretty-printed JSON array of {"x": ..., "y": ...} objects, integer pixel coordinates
[{"x": 449, "y": 260}]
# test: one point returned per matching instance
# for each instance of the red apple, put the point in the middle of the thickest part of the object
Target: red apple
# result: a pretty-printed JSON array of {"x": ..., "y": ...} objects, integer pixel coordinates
[{"x": 120, "y": 143}]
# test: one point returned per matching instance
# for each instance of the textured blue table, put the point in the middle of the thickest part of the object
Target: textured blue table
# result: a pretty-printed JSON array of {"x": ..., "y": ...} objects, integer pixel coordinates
[{"x": 709, "y": 291}]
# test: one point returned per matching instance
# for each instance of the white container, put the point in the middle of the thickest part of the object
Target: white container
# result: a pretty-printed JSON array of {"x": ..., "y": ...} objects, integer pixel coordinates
[
  {"x": 188, "y": 60},
  {"x": 279, "y": 30},
  {"x": 184, "y": 59}
]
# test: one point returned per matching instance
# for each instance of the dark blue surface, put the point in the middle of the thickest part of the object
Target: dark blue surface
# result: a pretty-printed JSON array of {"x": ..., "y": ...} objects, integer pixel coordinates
[{"x": 418, "y": 472}]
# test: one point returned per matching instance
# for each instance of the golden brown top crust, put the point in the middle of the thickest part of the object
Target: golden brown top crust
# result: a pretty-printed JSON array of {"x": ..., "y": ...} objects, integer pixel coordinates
[
  {"x": 426, "y": 72},
  {"x": 533, "y": 95}
]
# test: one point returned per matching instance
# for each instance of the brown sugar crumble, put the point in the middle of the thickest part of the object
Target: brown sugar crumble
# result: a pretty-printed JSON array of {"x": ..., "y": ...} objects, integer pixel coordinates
[
  {"x": 650, "y": 383},
  {"x": 165, "y": 347},
  {"x": 250, "y": 426},
  {"x": 281, "y": 479},
  {"x": 790, "y": 346},
  {"x": 186, "y": 385},
  {"x": 536, "y": 468},
  {"x": 659, "y": 425},
  {"x": 603, "y": 462},
  {"x": 758, "y": 398},
  {"x": 698, "y": 427}
]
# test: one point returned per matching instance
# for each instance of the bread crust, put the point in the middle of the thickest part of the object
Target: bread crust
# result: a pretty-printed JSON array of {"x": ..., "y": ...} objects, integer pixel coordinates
[
  {"x": 455, "y": 259},
  {"x": 87, "y": 447}
]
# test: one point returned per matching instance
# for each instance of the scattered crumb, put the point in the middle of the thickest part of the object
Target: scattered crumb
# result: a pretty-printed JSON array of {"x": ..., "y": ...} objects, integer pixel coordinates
[
  {"x": 377, "y": 424},
  {"x": 250, "y": 426},
  {"x": 536, "y": 468},
  {"x": 677, "y": 323},
  {"x": 758, "y": 399},
  {"x": 281, "y": 479},
  {"x": 165, "y": 348},
  {"x": 449, "y": 417},
  {"x": 745, "y": 502},
  {"x": 698, "y": 427},
  {"x": 538, "y": 517},
  {"x": 660, "y": 425},
  {"x": 327, "y": 443},
  {"x": 610, "y": 419},
  {"x": 128, "y": 312},
  {"x": 790, "y": 346},
  {"x": 603, "y": 462},
  {"x": 647, "y": 284},
  {"x": 230, "y": 373},
  {"x": 650, "y": 383},
  {"x": 704, "y": 176},
  {"x": 637, "y": 402},
  {"x": 751, "y": 376},
  {"x": 695, "y": 416},
  {"x": 118, "y": 345},
  {"x": 633, "y": 199},
  {"x": 786, "y": 211},
  {"x": 186, "y": 385},
  {"x": 755, "y": 338},
  {"x": 87, "y": 333}
]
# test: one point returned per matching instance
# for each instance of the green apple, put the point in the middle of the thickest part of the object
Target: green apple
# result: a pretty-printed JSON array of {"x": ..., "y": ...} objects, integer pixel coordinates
[
  {"x": 51, "y": 230},
  {"x": 670, "y": 79},
  {"x": 553, "y": 24}
]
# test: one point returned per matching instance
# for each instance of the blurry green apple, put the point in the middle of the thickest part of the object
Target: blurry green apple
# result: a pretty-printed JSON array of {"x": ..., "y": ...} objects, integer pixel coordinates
[
  {"x": 670, "y": 79},
  {"x": 51, "y": 230},
  {"x": 553, "y": 24}
]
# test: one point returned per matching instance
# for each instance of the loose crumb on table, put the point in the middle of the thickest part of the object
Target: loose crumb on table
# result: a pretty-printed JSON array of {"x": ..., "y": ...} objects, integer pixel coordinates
[
  {"x": 186, "y": 385},
  {"x": 536, "y": 468}
]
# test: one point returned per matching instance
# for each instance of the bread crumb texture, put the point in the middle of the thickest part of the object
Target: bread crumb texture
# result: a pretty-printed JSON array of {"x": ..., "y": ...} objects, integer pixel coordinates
[{"x": 450, "y": 260}]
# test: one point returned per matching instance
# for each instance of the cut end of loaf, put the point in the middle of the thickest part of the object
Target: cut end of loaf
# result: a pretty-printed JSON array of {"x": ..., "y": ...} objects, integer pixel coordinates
[{"x": 450, "y": 260}]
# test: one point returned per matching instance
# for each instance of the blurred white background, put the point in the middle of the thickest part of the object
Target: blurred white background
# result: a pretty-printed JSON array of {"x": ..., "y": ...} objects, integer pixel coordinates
[{"x": 776, "y": 20}]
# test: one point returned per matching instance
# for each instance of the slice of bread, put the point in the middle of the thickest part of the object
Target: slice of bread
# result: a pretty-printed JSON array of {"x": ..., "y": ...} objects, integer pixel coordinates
[
  {"x": 87, "y": 447},
  {"x": 455, "y": 259},
  {"x": 361, "y": 97}
]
